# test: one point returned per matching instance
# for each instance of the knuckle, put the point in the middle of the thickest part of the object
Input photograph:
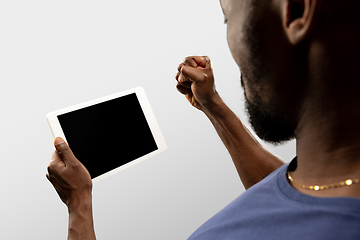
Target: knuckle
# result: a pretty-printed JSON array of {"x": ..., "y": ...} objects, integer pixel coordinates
[
  {"x": 206, "y": 58},
  {"x": 184, "y": 76},
  {"x": 183, "y": 71},
  {"x": 191, "y": 61},
  {"x": 180, "y": 66},
  {"x": 52, "y": 168},
  {"x": 187, "y": 58},
  {"x": 64, "y": 151},
  {"x": 49, "y": 168},
  {"x": 75, "y": 165},
  {"x": 186, "y": 84}
]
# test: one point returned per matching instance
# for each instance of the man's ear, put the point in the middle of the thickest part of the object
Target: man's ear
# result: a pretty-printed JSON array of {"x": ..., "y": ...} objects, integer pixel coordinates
[{"x": 298, "y": 18}]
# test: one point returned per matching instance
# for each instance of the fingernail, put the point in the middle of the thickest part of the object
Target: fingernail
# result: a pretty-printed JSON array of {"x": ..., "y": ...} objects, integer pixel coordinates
[{"x": 58, "y": 141}]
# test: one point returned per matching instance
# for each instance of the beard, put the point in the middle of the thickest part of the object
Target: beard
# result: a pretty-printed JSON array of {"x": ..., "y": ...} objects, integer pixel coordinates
[
  {"x": 268, "y": 119},
  {"x": 270, "y": 125}
]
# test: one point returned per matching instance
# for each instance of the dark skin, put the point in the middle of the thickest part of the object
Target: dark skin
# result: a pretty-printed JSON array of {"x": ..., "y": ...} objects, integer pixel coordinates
[
  {"x": 312, "y": 78},
  {"x": 73, "y": 183},
  {"x": 298, "y": 58},
  {"x": 196, "y": 81}
]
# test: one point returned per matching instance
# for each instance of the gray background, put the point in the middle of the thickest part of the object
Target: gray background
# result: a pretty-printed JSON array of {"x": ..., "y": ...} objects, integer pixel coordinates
[{"x": 54, "y": 54}]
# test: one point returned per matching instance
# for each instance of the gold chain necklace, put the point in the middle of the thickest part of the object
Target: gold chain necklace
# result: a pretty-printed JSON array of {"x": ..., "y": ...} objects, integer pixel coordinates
[{"x": 323, "y": 187}]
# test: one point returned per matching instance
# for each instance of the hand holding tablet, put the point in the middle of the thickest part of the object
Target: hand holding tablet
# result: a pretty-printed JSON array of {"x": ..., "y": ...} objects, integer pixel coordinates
[{"x": 109, "y": 134}]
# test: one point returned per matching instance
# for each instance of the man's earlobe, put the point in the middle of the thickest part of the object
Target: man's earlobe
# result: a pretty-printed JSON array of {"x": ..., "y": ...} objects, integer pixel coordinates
[{"x": 298, "y": 19}]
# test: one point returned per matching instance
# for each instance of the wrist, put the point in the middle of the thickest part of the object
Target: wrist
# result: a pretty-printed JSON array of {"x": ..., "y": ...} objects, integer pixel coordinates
[
  {"x": 81, "y": 225},
  {"x": 213, "y": 106},
  {"x": 80, "y": 202}
]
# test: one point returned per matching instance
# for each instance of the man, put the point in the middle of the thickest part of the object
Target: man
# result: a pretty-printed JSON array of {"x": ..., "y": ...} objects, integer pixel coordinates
[{"x": 298, "y": 70}]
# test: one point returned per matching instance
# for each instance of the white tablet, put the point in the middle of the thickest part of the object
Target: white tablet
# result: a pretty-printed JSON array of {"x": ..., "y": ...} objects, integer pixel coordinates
[{"x": 111, "y": 133}]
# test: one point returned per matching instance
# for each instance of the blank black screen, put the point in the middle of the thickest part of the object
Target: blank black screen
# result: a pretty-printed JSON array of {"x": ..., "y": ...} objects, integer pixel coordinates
[{"x": 109, "y": 134}]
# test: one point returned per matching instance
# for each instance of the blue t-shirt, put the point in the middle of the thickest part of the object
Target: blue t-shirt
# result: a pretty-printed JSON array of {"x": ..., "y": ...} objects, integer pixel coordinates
[{"x": 273, "y": 209}]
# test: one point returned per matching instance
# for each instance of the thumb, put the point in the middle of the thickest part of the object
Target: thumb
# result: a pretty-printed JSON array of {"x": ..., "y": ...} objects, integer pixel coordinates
[
  {"x": 193, "y": 74},
  {"x": 63, "y": 149}
]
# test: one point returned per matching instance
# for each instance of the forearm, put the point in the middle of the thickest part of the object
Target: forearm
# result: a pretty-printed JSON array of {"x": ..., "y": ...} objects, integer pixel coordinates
[
  {"x": 196, "y": 81},
  {"x": 252, "y": 161},
  {"x": 81, "y": 221}
]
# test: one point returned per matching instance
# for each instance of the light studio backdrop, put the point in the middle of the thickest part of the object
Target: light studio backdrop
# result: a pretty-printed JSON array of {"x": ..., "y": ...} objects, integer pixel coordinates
[{"x": 54, "y": 54}]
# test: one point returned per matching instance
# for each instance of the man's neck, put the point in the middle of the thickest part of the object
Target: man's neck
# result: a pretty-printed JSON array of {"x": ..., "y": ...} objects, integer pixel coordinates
[{"x": 328, "y": 150}]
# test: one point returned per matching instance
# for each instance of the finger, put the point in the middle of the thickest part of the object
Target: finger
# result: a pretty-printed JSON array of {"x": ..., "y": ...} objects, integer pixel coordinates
[
  {"x": 180, "y": 66},
  {"x": 56, "y": 186},
  {"x": 186, "y": 84},
  {"x": 183, "y": 89},
  {"x": 56, "y": 165},
  {"x": 189, "y": 61},
  {"x": 182, "y": 79},
  {"x": 203, "y": 62},
  {"x": 192, "y": 74},
  {"x": 183, "y": 82},
  {"x": 53, "y": 180},
  {"x": 64, "y": 150},
  {"x": 55, "y": 158}
]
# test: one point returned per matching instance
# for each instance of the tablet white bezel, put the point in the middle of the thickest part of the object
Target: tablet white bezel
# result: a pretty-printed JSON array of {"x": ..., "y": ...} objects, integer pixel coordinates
[{"x": 57, "y": 131}]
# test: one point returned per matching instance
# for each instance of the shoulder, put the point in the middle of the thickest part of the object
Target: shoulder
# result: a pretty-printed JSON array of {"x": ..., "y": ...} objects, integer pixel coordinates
[{"x": 272, "y": 209}]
